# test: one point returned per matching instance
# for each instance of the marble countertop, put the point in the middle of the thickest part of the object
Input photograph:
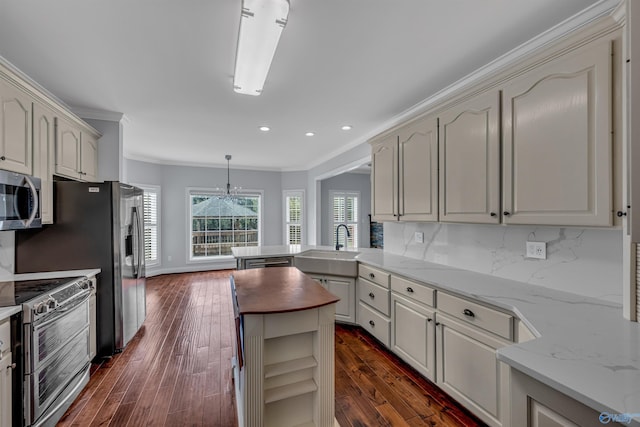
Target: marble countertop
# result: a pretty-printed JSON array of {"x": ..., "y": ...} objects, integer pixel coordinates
[
  {"x": 585, "y": 348},
  {"x": 286, "y": 250},
  {"x": 10, "y": 311}
]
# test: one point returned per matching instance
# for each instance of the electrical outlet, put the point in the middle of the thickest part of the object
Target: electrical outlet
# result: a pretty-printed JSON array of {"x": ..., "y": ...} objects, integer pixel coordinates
[
  {"x": 537, "y": 250},
  {"x": 419, "y": 237}
]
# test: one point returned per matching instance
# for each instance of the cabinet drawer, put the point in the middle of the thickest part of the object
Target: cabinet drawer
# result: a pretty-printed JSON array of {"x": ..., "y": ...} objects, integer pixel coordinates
[
  {"x": 375, "y": 323},
  {"x": 484, "y": 317},
  {"x": 374, "y": 275},
  {"x": 413, "y": 290},
  {"x": 5, "y": 336},
  {"x": 374, "y": 295}
]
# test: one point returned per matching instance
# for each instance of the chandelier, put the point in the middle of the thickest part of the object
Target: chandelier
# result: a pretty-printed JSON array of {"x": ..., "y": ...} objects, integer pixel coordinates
[{"x": 228, "y": 192}]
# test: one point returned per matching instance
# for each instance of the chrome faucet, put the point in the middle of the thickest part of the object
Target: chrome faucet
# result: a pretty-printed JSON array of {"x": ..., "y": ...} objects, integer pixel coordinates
[{"x": 338, "y": 245}]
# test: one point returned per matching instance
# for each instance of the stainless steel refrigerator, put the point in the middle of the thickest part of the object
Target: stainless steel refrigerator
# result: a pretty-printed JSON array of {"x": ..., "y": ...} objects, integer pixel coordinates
[{"x": 96, "y": 225}]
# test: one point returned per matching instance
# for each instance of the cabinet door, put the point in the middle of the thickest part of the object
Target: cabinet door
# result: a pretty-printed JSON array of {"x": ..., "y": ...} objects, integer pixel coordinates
[
  {"x": 469, "y": 147},
  {"x": 418, "y": 186},
  {"x": 15, "y": 130},
  {"x": 413, "y": 335},
  {"x": 89, "y": 158},
  {"x": 5, "y": 390},
  {"x": 344, "y": 289},
  {"x": 384, "y": 180},
  {"x": 67, "y": 150},
  {"x": 469, "y": 371},
  {"x": 558, "y": 143},
  {"x": 43, "y": 157}
]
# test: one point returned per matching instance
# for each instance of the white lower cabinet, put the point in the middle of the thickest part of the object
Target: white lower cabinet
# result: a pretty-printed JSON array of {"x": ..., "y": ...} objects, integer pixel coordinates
[
  {"x": 345, "y": 289},
  {"x": 534, "y": 404},
  {"x": 6, "y": 372},
  {"x": 413, "y": 334},
  {"x": 467, "y": 369}
]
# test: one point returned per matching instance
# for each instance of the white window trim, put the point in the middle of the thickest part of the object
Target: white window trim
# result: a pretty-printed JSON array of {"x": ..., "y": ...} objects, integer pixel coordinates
[
  {"x": 303, "y": 233},
  {"x": 158, "y": 190},
  {"x": 218, "y": 258},
  {"x": 359, "y": 219}
]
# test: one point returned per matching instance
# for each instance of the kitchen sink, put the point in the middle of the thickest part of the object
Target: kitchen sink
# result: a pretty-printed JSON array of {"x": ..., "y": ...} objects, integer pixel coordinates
[{"x": 334, "y": 263}]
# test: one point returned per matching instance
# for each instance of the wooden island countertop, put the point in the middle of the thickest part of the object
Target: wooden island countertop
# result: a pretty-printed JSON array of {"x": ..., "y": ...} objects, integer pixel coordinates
[{"x": 278, "y": 290}]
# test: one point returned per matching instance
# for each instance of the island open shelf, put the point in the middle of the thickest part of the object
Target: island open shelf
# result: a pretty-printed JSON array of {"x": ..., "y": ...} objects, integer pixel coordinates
[{"x": 284, "y": 357}]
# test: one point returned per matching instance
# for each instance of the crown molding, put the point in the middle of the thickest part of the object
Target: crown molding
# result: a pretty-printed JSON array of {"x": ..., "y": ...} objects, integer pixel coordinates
[{"x": 98, "y": 114}]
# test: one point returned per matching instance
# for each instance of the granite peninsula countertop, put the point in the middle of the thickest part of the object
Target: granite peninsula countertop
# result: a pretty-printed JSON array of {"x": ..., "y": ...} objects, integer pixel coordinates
[
  {"x": 585, "y": 348},
  {"x": 10, "y": 311},
  {"x": 286, "y": 250}
]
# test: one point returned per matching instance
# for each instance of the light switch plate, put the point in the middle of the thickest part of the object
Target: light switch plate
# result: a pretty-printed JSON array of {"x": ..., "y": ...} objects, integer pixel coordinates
[
  {"x": 537, "y": 250},
  {"x": 419, "y": 237}
]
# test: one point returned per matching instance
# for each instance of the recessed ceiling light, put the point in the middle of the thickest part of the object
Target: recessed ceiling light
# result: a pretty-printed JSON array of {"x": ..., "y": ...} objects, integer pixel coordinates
[
  {"x": 346, "y": 127},
  {"x": 309, "y": 134},
  {"x": 265, "y": 128}
]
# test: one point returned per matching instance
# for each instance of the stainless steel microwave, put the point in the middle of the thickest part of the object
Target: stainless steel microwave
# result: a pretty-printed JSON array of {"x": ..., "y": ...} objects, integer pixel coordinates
[{"x": 19, "y": 201}]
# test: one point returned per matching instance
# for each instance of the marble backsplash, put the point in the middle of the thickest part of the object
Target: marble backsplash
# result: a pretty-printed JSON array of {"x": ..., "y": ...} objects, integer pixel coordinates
[
  {"x": 582, "y": 261},
  {"x": 7, "y": 253}
]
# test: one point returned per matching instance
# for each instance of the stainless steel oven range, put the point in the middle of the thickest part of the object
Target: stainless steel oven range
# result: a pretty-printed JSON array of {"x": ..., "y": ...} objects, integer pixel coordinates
[{"x": 55, "y": 344}]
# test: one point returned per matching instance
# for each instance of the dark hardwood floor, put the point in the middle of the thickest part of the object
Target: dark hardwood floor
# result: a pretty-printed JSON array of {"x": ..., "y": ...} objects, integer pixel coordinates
[{"x": 177, "y": 370}]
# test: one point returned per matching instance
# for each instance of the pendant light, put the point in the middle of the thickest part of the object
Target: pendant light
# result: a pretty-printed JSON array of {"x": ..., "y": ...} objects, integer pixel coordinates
[{"x": 228, "y": 192}]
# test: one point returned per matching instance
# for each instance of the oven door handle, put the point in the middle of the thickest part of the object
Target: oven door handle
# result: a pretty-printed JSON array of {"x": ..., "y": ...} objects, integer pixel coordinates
[
  {"x": 61, "y": 312},
  {"x": 34, "y": 193}
]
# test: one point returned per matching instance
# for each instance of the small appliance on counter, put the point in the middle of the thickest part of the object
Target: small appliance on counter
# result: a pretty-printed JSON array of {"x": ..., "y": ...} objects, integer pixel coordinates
[
  {"x": 19, "y": 201},
  {"x": 96, "y": 225}
]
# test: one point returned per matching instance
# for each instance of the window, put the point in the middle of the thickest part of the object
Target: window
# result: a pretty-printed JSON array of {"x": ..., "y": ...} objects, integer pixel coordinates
[
  {"x": 345, "y": 211},
  {"x": 218, "y": 224},
  {"x": 293, "y": 217},
  {"x": 151, "y": 201}
]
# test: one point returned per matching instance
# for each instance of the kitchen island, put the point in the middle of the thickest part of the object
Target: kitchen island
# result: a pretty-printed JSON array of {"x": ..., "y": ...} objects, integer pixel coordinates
[{"x": 284, "y": 357}]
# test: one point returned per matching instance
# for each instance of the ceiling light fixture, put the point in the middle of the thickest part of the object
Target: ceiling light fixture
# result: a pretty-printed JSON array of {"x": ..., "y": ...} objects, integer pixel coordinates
[
  {"x": 264, "y": 128},
  {"x": 228, "y": 192},
  {"x": 346, "y": 127},
  {"x": 309, "y": 134},
  {"x": 261, "y": 24}
]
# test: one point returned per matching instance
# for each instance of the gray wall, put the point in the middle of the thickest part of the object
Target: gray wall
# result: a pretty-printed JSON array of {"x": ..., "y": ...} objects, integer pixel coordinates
[
  {"x": 346, "y": 182},
  {"x": 174, "y": 182}
]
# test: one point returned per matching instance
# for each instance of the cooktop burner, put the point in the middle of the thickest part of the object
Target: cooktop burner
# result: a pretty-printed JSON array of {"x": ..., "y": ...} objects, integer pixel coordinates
[{"x": 18, "y": 292}]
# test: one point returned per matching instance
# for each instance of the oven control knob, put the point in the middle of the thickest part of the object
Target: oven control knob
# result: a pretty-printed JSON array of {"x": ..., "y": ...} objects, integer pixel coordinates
[
  {"x": 85, "y": 284},
  {"x": 41, "y": 308},
  {"x": 52, "y": 303}
]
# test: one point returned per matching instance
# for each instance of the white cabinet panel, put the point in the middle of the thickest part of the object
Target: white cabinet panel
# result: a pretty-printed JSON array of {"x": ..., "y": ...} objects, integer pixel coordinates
[
  {"x": 470, "y": 161},
  {"x": 89, "y": 158},
  {"x": 558, "y": 143},
  {"x": 15, "y": 130},
  {"x": 384, "y": 180},
  {"x": 44, "y": 157},
  {"x": 67, "y": 149}
]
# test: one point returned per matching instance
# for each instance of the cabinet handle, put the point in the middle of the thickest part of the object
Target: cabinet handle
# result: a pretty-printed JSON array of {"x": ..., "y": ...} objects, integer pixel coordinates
[
  {"x": 371, "y": 295},
  {"x": 468, "y": 312},
  {"x": 621, "y": 214},
  {"x": 3, "y": 158},
  {"x": 372, "y": 323},
  {"x": 372, "y": 276},
  {"x": 410, "y": 290},
  {"x": 12, "y": 366},
  {"x": 505, "y": 213},
  {"x": 429, "y": 319},
  {"x": 493, "y": 214},
  {"x": 437, "y": 323}
]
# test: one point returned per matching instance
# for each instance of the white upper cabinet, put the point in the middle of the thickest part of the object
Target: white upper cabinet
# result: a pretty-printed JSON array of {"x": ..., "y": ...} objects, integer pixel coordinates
[
  {"x": 405, "y": 173},
  {"x": 558, "y": 143},
  {"x": 470, "y": 161},
  {"x": 418, "y": 171},
  {"x": 88, "y": 157},
  {"x": 43, "y": 157},
  {"x": 15, "y": 130},
  {"x": 384, "y": 179},
  {"x": 76, "y": 152}
]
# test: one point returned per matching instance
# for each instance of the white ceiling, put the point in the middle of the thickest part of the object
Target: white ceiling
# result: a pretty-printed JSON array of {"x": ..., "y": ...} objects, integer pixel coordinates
[{"x": 168, "y": 66}]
